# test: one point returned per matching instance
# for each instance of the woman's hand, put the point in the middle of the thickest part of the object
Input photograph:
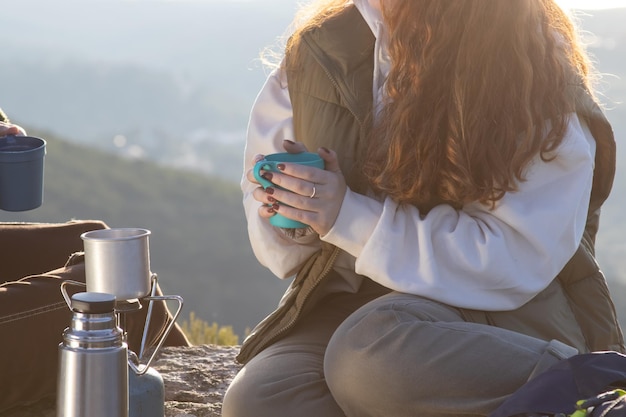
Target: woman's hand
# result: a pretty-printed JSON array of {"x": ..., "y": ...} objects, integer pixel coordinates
[
  {"x": 11, "y": 129},
  {"x": 310, "y": 195}
]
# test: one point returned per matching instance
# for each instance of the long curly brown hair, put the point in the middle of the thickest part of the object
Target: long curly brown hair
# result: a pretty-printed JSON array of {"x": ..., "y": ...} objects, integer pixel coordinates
[{"x": 476, "y": 90}]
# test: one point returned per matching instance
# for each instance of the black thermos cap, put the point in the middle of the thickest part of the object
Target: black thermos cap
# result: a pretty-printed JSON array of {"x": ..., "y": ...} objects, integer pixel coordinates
[{"x": 93, "y": 302}]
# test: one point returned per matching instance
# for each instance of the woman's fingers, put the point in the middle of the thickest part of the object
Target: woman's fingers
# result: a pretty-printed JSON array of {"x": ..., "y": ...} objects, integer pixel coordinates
[
  {"x": 310, "y": 195},
  {"x": 10, "y": 129},
  {"x": 250, "y": 172},
  {"x": 296, "y": 179},
  {"x": 265, "y": 196},
  {"x": 266, "y": 211},
  {"x": 294, "y": 147},
  {"x": 331, "y": 162}
]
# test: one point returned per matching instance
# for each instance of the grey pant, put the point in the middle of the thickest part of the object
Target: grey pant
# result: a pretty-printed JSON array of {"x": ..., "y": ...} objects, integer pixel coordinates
[{"x": 399, "y": 355}]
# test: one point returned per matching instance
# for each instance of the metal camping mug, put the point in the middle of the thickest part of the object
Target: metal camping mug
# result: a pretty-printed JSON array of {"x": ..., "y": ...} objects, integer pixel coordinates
[{"x": 117, "y": 261}]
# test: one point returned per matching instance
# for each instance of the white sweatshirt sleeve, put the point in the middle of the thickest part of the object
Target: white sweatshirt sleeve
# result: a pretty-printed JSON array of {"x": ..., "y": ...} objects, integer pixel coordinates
[
  {"x": 475, "y": 257},
  {"x": 270, "y": 123}
]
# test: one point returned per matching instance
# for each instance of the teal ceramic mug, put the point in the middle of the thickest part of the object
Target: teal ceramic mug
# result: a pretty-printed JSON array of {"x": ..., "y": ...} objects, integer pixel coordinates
[{"x": 270, "y": 163}]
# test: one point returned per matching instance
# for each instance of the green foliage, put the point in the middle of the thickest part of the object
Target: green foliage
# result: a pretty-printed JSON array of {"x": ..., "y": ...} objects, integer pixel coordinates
[{"x": 200, "y": 332}]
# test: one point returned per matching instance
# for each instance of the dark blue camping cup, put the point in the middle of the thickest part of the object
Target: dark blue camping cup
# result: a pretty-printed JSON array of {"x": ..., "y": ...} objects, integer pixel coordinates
[{"x": 21, "y": 172}]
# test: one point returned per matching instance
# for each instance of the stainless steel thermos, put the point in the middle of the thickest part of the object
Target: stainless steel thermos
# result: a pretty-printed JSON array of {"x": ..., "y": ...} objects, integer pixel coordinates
[{"x": 93, "y": 361}]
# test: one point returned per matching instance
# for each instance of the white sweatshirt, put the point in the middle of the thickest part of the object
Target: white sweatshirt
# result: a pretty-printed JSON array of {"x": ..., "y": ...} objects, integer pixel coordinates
[{"x": 474, "y": 258}]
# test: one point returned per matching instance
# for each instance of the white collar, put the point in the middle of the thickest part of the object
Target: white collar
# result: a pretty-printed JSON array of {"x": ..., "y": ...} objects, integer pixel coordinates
[{"x": 370, "y": 10}]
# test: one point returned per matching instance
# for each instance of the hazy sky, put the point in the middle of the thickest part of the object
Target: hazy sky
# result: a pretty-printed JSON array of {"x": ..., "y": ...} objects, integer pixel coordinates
[{"x": 576, "y": 4}]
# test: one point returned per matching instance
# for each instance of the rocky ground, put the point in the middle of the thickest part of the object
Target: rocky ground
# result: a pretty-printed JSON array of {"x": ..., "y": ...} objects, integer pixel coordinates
[{"x": 195, "y": 380}]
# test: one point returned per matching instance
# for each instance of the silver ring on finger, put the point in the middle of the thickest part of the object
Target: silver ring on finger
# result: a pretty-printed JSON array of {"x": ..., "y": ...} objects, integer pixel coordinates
[{"x": 314, "y": 191}]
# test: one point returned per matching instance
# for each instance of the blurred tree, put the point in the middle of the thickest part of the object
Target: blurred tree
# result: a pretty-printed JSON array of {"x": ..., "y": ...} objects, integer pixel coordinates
[{"x": 200, "y": 332}]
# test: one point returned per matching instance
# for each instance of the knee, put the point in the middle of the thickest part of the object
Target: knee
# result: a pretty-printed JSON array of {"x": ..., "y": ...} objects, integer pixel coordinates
[
  {"x": 286, "y": 379},
  {"x": 241, "y": 399},
  {"x": 357, "y": 363},
  {"x": 260, "y": 390},
  {"x": 367, "y": 362}
]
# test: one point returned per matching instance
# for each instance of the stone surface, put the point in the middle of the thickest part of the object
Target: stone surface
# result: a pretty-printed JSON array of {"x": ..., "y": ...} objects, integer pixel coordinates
[{"x": 195, "y": 380}]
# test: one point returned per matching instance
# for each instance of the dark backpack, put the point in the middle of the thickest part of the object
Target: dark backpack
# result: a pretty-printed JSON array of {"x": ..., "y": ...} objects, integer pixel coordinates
[{"x": 585, "y": 385}]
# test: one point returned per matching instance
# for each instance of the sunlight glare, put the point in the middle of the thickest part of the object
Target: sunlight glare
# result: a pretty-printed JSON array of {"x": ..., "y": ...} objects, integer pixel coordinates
[{"x": 591, "y": 4}]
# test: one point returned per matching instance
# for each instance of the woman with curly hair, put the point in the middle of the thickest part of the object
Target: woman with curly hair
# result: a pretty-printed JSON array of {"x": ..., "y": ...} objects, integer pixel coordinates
[{"x": 450, "y": 253}]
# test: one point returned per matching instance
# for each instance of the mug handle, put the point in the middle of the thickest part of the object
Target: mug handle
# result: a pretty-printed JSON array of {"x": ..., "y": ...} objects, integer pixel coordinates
[{"x": 266, "y": 166}]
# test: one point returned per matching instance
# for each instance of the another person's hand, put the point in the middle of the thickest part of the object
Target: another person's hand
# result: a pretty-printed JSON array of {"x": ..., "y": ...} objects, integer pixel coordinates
[
  {"x": 310, "y": 195},
  {"x": 11, "y": 129}
]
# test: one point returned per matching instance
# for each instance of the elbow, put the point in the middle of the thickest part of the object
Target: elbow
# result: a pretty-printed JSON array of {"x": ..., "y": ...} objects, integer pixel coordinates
[{"x": 275, "y": 266}]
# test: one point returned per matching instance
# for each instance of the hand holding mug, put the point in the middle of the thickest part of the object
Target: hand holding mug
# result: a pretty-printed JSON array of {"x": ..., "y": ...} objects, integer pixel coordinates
[
  {"x": 271, "y": 163},
  {"x": 299, "y": 192}
]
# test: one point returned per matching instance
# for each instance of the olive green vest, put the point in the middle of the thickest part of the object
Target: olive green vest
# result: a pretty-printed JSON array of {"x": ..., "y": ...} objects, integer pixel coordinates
[{"x": 331, "y": 94}]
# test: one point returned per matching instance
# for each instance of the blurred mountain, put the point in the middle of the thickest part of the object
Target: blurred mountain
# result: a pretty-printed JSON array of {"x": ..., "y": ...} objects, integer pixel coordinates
[
  {"x": 171, "y": 81},
  {"x": 605, "y": 35}
]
